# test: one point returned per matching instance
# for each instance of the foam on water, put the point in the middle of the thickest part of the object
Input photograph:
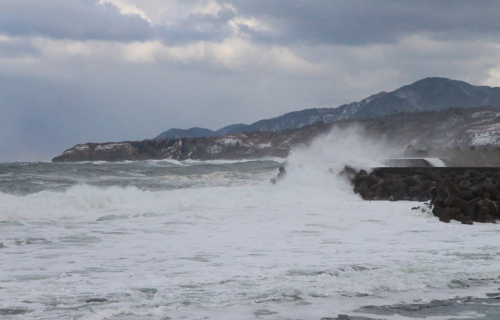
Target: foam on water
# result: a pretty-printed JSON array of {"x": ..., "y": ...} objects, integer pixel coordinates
[
  {"x": 305, "y": 248},
  {"x": 85, "y": 200},
  {"x": 189, "y": 161},
  {"x": 288, "y": 259}
]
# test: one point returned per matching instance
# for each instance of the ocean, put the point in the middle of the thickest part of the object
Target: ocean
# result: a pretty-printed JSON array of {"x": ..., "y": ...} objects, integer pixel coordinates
[{"x": 216, "y": 240}]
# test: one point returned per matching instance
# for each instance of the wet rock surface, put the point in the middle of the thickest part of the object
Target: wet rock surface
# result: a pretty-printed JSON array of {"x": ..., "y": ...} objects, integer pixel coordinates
[
  {"x": 463, "y": 194},
  {"x": 346, "y": 317},
  {"x": 435, "y": 308},
  {"x": 96, "y": 300},
  {"x": 13, "y": 311}
]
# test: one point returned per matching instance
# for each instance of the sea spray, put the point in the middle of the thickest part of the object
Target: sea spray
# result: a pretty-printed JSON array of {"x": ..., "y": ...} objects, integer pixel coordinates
[
  {"x": 209, "y": 191},
  {"x": 171, "y": 186},
  {"x": 94, "y": 189},
  {"x": 351, "y": 146}
]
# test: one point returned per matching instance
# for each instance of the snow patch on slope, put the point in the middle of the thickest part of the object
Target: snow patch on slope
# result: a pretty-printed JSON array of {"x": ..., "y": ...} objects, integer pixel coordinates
[
  {"x": 230, "y": 141},
  {"x": 485, "y": 138},
  {"x": 110, "y": 146}
]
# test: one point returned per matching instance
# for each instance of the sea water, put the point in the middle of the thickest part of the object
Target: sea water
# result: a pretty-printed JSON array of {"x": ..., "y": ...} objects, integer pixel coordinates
[{"x": 216, "y": 240}]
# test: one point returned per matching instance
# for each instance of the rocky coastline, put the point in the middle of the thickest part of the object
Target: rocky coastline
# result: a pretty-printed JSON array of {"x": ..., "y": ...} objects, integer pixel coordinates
[
  {"x": 464, "y": 194},
  {"x": 451, "y": 130},
  {"x": 253, "y": 145}
]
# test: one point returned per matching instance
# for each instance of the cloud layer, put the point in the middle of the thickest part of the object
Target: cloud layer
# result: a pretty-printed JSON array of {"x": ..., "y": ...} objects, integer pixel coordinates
[
  {"x": 357, "y": 22},
  {"x": 73, "y": 20},
  {"x": 75, "y": 71}
]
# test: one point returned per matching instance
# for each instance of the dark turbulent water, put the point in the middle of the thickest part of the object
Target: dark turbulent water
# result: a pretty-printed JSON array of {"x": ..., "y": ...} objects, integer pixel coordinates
[
  {"x": 215, "y": 240},
  {"x": 25, "y": 178}
]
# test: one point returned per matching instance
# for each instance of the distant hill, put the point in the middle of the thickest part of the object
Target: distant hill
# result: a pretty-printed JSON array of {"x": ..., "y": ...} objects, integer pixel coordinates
[
  {"x": 299, "y": 119},
  {"x": 197, "y": 132},
  {"x": 185, "y": 133},
  {"x": 230, "y": 129},
  {"x": 429, "y": 94}
]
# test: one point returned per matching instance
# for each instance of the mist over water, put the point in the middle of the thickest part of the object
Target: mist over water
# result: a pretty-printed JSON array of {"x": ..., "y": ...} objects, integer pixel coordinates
[
  {"x": 343, "y": 146},
  {"x": 216, "y": 240}
]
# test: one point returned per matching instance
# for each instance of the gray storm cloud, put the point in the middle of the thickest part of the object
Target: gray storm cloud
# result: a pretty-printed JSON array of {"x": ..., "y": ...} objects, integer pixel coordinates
[
  {"x": 352, "y": 22},
  {"x": 197, "y": 27},
  {"x": 356, "y": 22},
  {"x": 74, "y": 19},
  {"x": 75, "y": 71}
]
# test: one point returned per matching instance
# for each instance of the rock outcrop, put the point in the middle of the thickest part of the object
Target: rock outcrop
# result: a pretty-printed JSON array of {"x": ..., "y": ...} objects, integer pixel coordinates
[
  {"x": 458, "y": 193},
  {"x": 234, "y": 146}
]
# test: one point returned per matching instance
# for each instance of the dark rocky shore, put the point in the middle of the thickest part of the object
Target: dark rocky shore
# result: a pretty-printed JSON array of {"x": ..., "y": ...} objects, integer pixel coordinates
[{"x": 465, "y": 194}]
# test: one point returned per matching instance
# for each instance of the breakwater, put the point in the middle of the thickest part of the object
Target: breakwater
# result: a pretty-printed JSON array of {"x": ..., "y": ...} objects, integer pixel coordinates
[{"x": 465, "y": 194}]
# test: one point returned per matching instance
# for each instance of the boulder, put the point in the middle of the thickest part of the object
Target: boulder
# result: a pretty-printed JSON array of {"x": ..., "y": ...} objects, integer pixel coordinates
[{"x": 467, "y": 220}]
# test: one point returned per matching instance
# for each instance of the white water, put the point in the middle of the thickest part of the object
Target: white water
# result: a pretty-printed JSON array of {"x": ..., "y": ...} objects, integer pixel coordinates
[{"x": 305, "y": 248}]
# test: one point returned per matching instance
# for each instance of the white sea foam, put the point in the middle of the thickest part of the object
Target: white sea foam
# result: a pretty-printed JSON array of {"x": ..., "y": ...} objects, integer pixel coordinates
[
  {"x": 79, "y": 201},
  {"x": 202, "y": 162},
  {"x": 308, "y": 182},
  {"x": 341, "y": 147},
  {"x": 304, "y": 248},
  {"x": 225, "y": 256}
]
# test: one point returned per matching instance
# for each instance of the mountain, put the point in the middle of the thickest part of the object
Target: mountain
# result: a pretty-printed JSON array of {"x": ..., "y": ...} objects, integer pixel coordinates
[
  {"x": 185, "y": 133},
  {"x": 429, "y": 94},
  {"x": 197, "y": 132},
  {"x": 299, "y": 119},
  {"x": 230, "y": 129},
  {"x": 454, "y": 128}
]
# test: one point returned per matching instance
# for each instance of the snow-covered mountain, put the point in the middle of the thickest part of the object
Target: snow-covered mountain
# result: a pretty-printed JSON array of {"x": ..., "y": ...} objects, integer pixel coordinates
[{"x": 429, "y": 94}]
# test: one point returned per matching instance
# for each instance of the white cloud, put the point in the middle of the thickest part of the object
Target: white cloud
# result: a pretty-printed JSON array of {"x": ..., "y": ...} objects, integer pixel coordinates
[
  {"x": 142, "y": 52},
  {"x": 174, "y": 11},
  {"x": 126, "y": 7},
  {"x": 235, "y": 54},
  {"x": 493, "y": 79},
  {"x": 55, "y": 49}
]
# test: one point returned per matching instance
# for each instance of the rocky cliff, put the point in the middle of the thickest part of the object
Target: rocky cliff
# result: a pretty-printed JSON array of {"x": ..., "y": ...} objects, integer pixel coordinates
[
  {"x": 453, "y": 128},
  {"x": 233, "y": 146}
]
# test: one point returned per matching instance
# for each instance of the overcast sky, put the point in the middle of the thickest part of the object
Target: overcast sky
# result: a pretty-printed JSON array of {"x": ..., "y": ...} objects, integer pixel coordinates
[{"x": 77, "y": 71}]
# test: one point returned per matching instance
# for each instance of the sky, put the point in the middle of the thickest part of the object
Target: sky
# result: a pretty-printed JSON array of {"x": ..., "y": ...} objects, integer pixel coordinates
[{"x": 78, "y": 71}]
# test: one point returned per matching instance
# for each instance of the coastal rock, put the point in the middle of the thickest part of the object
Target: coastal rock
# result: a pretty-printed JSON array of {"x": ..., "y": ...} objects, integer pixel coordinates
[
  {"x": 467, "y": 220},
  {"x": 448, "y": 201},
  {"x": 93, "y": 300}
]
